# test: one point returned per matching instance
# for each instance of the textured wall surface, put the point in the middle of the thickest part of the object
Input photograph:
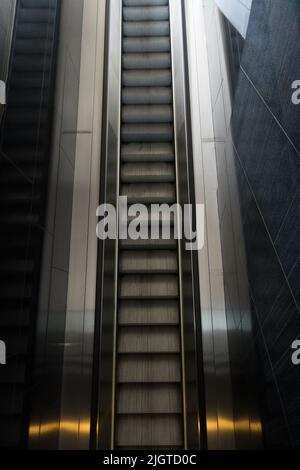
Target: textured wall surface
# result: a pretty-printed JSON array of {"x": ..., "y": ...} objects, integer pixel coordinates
[{"x": 265, "y": 126}]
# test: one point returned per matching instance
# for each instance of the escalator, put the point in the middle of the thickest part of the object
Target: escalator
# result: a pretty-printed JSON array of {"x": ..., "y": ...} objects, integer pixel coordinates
[
  {"x": 25, "y": 151},
  {"x": 149, "y": 406},
  {"x": 146, "y": 363}
]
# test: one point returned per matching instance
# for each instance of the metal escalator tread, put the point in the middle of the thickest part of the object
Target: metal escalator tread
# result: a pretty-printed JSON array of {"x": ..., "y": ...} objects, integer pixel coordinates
[
  {"x": 146, "y": 60},
  {"x": 146, "y": 95},
  {"x": 147, "y": 173},
  {"x": 149, "y": 411},
  {"x": 149, "y": 28},
  {"x": 145, "y": 78}
]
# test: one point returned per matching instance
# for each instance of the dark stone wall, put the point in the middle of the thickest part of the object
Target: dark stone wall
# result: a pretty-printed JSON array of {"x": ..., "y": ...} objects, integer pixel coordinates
[{"x": 266, "y": 134}]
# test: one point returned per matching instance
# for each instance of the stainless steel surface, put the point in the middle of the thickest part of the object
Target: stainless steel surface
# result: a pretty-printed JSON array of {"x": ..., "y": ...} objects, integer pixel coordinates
[
  {"x": 107, "y": 359},
  {"x": 45, "y": 418},
  {"x": 7, "y": 18},
  {"x": 190, "y": 366},
  {"x": 66, "y": 326},
  {"x": 216, "y": 364}
]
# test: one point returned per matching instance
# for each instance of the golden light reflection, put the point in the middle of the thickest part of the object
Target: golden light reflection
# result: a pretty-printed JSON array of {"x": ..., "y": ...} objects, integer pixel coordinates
[
  {"x": 256, "y": 426},
  {"x": 67, "y": 426},
  {"x": 229, "y": 425}
]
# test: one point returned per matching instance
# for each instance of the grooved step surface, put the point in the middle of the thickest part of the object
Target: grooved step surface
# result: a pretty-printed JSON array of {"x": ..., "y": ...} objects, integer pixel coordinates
[
  {"x": 146, "y": 44},
  {"x": 149, "y": 430},
  {"x": 149, "y": 286},
  {"x": 148, "y": 152},
  {"x": 155, "y": 312},
  {"x": 154, "y": 193},
  {"x": 146, "y": 61},
  {"x": 149, "y": 399},
  {"x": 147, "y": 133},
  {"x": 149, "y": 368},
  {"x": 144, "y": 3},
  {"x": 147, "y": 173},
  {"x": 146, "y": 28},
  {"x": 147, "y": 95},
  {"x": 147, "y": 78},
  {"x": 146, "y": 13},
  {"x": 149, "y": 244},
  {"x": 148, "y": 339},
  {"x": 136, "y": 262},
  {"x": 148, "y": 114}
]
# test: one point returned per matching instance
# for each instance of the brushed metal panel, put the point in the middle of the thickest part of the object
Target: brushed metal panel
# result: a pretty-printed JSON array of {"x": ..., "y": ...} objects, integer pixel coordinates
[
  {"x": 107, "y": 281},
  {"x": 186, "y": 269}
]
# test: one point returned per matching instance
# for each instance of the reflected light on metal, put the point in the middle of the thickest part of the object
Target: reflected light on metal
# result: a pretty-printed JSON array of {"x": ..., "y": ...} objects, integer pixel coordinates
[
  {"x": 68, "y": 426},
  {"x": 229, "y": 425}
]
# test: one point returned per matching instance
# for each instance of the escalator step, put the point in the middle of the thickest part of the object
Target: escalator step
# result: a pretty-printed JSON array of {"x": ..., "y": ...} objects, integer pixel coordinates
[
  {"x": 36, "y": 15},
  {"x": 148, "y": 152},
  {"x": 34, "y": 31},
  {"x": 146, "y": 95},
  {"x": 42, "y": 47},
  {"x": 146, "y": 61},
  {"x": 147, "y": 133},
  {"x": 149, "y": 399},
  {"x": 29, "y": 80},
  {"x": 25, "y": 116},
  {"x": 145, "y": 3},
  {"x": 147, "y": 114},
  {"x": 29, "y": 99},
  {"x": 152, "y": 193},
  {"x": 31, "y": 63},
  {"x": 39, "y": 3},
  {"x": 160, "y": 286},
  {"x": 24, "y": 135},
  {"x": 146, "y": 28},
  {"x": 152, "y": 262},
  {"x": 147, "y": 173},
  {"x": 149, "y": 368},
  {"x": 156, "y": 312},
  {"x": 149, "y": 244},
  {"x": 147, "y": 44},
  {"x": 150, "y": 430},
  {"x": 148, "y": 340},
  {"x": 146, "y": 13},
  {"x": 146, "y": 78}
]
